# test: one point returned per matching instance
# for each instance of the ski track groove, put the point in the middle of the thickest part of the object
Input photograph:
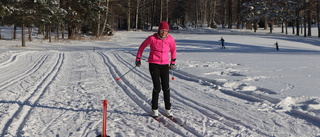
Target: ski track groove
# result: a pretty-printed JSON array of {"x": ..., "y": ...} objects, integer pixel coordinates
[
  {"x": 25, "y": 108},
  {"x": 9, "y": 61},
  {"x": 136, "y": 96},
  {"x": 230, "y": 122},
  {"x": 12, "y": 59},
  {"x": 17, "y": 78}
]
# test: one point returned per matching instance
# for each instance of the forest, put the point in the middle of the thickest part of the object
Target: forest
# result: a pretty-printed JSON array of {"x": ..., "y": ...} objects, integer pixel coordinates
[{"x": 69, "y": 19}]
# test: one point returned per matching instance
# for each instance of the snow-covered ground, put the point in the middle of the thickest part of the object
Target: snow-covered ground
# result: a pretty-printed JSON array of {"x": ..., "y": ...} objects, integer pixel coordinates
[{"x": 249, "y": 89}]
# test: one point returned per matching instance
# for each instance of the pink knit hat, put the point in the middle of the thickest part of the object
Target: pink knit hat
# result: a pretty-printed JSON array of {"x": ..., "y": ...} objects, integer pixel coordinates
[{"x": 163, "y": 25}]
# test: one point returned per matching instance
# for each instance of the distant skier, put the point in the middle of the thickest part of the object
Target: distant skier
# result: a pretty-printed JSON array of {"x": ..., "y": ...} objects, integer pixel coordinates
[
  {"x": 277, "y": 46},
  {"x": 222, "y": 43}
]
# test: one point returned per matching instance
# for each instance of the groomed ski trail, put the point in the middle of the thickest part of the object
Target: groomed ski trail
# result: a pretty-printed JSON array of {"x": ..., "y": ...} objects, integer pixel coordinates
[
  {"x": 213, "y": 115},
  {"x": 135, "y": 94},
  {"x": 22, "y": 112}
]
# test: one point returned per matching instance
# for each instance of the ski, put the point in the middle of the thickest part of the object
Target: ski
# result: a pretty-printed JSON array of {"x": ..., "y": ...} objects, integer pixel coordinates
[
  {"x": 160, "y": 120},
  {"x": 175, "y": 120}
]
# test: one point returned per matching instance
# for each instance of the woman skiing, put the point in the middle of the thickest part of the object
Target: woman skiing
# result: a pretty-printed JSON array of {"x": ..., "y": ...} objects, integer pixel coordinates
[{"x": 161, "y": 44}]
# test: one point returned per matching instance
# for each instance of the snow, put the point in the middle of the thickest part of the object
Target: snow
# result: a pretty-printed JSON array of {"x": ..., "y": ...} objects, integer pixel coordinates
[{"x": 247, "y": 89}]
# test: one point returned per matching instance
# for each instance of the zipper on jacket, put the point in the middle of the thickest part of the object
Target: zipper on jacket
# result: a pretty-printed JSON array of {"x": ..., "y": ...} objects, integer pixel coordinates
[{"x": 162, "y": 53}]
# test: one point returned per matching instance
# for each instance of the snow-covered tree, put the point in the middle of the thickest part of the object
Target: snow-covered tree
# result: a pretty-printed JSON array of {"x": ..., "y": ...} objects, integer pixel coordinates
[
  {"x": 273, "y": 13},
  {"x": 254, "y": 11},
  {"x": 3, "y": 12}
]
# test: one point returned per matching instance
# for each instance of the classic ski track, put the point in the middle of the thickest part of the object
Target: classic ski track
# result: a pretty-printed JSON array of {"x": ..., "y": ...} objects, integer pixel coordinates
[
  {"x": 136, "y": 96},
  {"x": 20, "y": 116},
  {"x": 213, "y": 85},
  {"x": 227, "y": 120},
  {"x": 18, "y": 77},
  {"x": 12, "y": 58},
  {"x": 10, "y": 66},
  {"x": 204, "y": 109},
  {"x": 230, "y": 122}
]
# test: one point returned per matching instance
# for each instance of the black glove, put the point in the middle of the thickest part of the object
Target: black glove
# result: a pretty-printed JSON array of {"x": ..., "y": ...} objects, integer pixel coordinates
[
  {"x": 138, "y": 63},
  {"x": 171, "y": 66}
]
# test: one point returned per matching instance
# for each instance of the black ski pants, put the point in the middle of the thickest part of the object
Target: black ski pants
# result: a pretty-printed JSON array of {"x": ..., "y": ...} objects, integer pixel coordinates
[{"x": 160, "y": 79}]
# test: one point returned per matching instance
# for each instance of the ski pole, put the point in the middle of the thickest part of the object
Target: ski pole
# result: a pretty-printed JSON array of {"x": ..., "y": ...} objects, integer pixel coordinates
[
  {"x": 172, "y": 75},
  {"x": 118, "y": 79}
]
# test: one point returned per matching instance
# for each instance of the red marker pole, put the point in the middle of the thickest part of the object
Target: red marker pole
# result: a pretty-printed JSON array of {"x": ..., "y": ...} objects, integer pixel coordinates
[{"x": 104, "y": 117}]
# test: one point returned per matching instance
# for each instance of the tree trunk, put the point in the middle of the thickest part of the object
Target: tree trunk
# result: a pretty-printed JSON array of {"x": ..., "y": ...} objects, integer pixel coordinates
[
  {"x": 230, "y": 15},
  {"x": 249, "y": 25},
  {"x": 49, "y": 32},
  {"x": 57, "y": 32},
  {"x": 128, "y": 15},
  {"x": 255, "y": 26},
  {"x": 105, "y": 23},
  {"x": 143, "y": 13},
  {"x": 266, "y": 25},
  {"x": 62, "y": 31},
  {"x": 286, "y": 23},
  {"x": 71, "y": 31},
  {"x": 137, "y": 14},
  {"x": 161, "y": 7},
  {"x": 318, "y": 17},
  {"x": 298, "y": 21},
  {"x": 310, "y": 9},
  {"x": 282, "y": 27},
  {"x": 224, "y": 16},
  {"x": 301, "y": 25},
  {"x": 45, "y": 32},
  {"x": 15, "y": 32},
  {"x": 30, "y": 33},
  {"x": 39, "y": 30},
  {"x": 153, "y": 12},
  {"x": 293, "y": 30},
  {"x": 238, "y": 14},
  {"x": 196, "y": 10},
  {"x": 204, "y": 13},
  {"x": 212, "y": 6},
  {"x": 271, "y": 25},
  {"x": 305, "y": 25},
  {"x": 23, "y": 36},
  {"x": 167, "y": 18},
  {"x": 98, "y": 23}
]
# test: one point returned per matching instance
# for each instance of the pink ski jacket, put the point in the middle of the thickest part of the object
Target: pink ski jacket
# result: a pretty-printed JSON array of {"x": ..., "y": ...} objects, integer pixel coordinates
[{"x": 159, "y": 49}]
